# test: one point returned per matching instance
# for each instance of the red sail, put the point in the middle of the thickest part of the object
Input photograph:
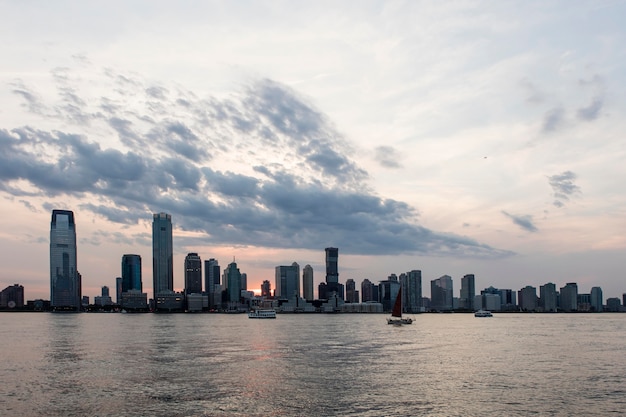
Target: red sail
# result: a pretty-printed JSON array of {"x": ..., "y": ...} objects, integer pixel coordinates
[{"x": 397, "y": 307}]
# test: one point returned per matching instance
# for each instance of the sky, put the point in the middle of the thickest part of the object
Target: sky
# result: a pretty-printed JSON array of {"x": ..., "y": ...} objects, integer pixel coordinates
[{"x": 482, "y": 137}]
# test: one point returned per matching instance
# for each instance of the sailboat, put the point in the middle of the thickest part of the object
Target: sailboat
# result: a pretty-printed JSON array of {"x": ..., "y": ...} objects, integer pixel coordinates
[{"x": 396, "y": 314}]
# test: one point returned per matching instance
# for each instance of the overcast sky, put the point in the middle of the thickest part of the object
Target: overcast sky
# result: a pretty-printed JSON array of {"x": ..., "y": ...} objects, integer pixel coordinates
[{"x": 451, "y": 137}]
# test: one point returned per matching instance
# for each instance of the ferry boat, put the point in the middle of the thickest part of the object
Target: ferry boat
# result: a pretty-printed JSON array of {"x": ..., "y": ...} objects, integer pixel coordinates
[
  {"x": 483, "y": 313},
  {"x": 262, "y": 314}
]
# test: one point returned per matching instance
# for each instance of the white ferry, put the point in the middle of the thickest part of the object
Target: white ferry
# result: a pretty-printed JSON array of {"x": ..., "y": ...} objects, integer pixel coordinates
[
  {"x": 262, "y": 314},
  {"x": 483, "y": 313}
]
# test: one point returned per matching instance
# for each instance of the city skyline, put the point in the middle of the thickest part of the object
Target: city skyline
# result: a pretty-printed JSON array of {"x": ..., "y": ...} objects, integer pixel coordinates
[{"x": 475, "y": 138}]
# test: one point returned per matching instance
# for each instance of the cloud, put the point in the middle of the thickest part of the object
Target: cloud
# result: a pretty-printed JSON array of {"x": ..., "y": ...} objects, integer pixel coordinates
[
  {"x": 563, "y": 187},
  {"x": 524, "y": 221},
  {"x": 262, "y": 167},
  {"x": 592, "y": 111},
  {"x": 553, "y": 119},
  {"x": 388, "y": 156}
]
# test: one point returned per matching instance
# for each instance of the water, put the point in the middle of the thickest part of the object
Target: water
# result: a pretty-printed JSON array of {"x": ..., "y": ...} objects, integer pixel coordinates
[{"x": 311, "y": 365}]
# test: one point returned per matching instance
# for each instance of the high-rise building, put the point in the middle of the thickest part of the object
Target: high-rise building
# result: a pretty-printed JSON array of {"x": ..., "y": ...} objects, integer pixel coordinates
[
  {"x": 212, "y": 282},
  {"x": 193, "y": 274},
  {"x": 367, "y": 291},
  {"x": 118, "y": 290},
  {"x": 596, "y": 299},
  {"x": 468, "y": 292},
  {"x": 162, "y": 254},
  {"x": 441, "y": 293},
  {"x": 266, "y": 289},
  {"x": 65, "y": 286},
  {"x": 527, "y": 298},
  {"x": 332, "y": 275},
  {"x": 307, "y": 283},
  {"x": 287, "y": 281},
  {"x": 131, "y": 273},
  {"x": 232, "y": 281},
  {"x": 244, "y": 281},
  {"x": 568, "y": 300},
  {"x": 548, "y": 298},
  {"x": 351, "y": 292},
  {"x": 413, "y": 291},
  {"x": 332, "y": 268}
]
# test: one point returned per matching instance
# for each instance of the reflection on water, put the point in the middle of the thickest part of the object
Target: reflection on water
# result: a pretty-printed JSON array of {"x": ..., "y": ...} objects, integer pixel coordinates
[{"x": 296, "y": 365}]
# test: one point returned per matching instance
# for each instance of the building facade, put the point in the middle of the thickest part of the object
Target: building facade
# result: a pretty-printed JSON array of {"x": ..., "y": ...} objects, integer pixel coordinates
[
  {"x": 287, "y": 281},
  {"x": 441, "y": 293},
  {"x": 162, "y": 254},
  {"x": 413, "y": 291},
  {"x": 468, "y": 292},
  {"x": 307, "y": 283},
  {"x": 212, "y": 284},
  {"x": 548, "y": 298},
  {"x": 65, "y": 286},
  {"x": 193, "y": 274},
  {"x": 131, "y": 273}
]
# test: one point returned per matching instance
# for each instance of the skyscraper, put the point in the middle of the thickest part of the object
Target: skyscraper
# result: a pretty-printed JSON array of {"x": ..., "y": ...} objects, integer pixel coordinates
[
  {"x": 193, "y": 274},
  {"x": 468, "y": 292},
  {"x": 162, "y": 254},
  {"x": 212, "y": 282},
  {"x": 232, "y": 280},
  {"x": 287, "y": 281},
  {"x": 332, "y": 274},
  {"x": 332, "y": 269},
  {"x": 596, "y": 299},
  {"x": 413, "y": 291},
  {"x": 65, "y": 288},
  {"x": 568, "y": 300},
  {"x": 548, "y": 297},
  {"x": 441, "y": 293},
  {"x": 131, "y": 273},
  {"x": 351, "y": 292},
  {"x": 307, "y": 283}
]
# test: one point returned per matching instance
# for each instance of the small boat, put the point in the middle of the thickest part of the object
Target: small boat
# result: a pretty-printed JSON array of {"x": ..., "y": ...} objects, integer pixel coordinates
[
  {"x": 396, "y": 314},
  {"x": 262, "y": 314},
  {"x": 483, "y": 313}
]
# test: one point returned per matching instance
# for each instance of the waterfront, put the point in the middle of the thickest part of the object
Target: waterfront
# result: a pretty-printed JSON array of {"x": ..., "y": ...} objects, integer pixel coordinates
[{"x": 311, "y": 365}]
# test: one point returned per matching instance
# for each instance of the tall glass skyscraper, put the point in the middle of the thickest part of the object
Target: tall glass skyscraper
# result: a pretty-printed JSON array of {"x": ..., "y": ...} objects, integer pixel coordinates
[
  {"x": 162, "y": 254},
  {"x": 287, "y": 281},
  {"x": 332, "y": 269},
  {"x": 131, "y": 273},
  {"x": 65, "y": 288},
  {"x": 193, "y": 274}
]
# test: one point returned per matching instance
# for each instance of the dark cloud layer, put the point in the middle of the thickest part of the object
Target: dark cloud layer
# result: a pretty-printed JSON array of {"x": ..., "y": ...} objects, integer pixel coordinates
[{"x": 291, "y": 185}]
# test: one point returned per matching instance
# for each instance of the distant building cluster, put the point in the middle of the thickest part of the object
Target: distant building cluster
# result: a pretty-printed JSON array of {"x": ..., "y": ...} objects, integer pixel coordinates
[{"x": 293, "y": 289}]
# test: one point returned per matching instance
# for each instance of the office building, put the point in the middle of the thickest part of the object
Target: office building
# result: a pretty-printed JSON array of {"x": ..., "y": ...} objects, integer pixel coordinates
[
  {"x": 413, "y": 292},
  {"x": 468, "y": 292},
  {"x": 568, "y": 300},
  {"x": 307, "y": 283},
  {"x": 162, "y": 254},
  {"x": 131, "y": 273},
  {"x": 596, "y": 299},
  {"x": 287, "y": 281},
  {"x": 351, "y": 292},
  {"x": 441, "y": 293},
  {"x": 193, "y": 274},
  {"x": 527, "y": 298},
  {"x": 65, "y": 286},
  {"x": 548, "y": 298},
  {"x": 212, "y": 284},
  {"x": 332, "y": 287},
  {"x": 232, "y": 281}
]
